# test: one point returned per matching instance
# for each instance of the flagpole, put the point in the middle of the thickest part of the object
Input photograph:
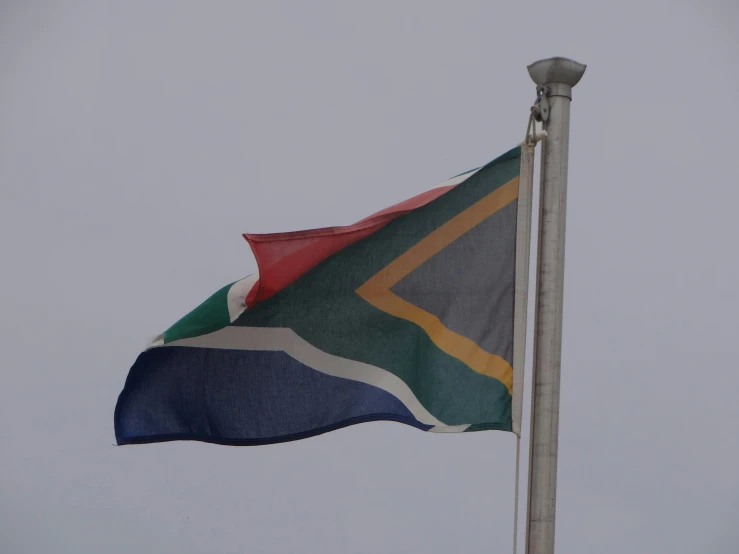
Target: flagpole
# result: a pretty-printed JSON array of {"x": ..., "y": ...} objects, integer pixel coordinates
[{"x": 555, "y": 78}]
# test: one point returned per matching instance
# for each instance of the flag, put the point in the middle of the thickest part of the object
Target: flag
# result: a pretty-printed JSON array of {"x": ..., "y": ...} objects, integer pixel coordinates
[{"x": 406, "y": 316}]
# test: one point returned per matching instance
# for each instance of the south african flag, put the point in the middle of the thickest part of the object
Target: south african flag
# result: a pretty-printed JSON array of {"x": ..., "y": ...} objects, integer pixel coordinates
[{"x": 407, "y": 316}]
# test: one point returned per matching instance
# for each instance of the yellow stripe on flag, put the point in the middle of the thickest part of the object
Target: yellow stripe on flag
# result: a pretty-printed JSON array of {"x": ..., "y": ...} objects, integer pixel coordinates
[{"x": 377, "y": 291}]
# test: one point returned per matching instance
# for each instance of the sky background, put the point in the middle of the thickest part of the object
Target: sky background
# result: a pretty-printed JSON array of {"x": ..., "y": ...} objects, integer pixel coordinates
[{"x": 138, "y": 140}]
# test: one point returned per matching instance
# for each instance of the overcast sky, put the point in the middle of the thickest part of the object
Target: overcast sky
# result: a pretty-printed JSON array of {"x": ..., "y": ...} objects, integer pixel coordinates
[{"x": 138, "y": 140}]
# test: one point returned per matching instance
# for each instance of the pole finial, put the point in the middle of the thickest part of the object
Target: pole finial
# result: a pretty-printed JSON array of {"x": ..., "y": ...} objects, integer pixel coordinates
[{"x": 556, "y": 70}]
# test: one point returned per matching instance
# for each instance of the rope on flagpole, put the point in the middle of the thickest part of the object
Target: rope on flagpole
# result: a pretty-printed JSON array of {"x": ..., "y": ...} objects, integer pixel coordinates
[
  {"x": 515, "y": 498},
  {"x": 539, "y": 112},
  {"x": 530, "y": 142},
  {"x": 532, "y": 135}
]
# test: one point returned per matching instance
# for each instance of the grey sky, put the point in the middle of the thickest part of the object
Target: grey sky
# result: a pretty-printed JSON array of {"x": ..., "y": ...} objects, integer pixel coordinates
[{"x": 138, "y": 140}]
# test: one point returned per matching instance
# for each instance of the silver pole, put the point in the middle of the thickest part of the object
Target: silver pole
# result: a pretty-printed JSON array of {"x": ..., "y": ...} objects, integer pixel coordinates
[{"x": 555, "y": 77}]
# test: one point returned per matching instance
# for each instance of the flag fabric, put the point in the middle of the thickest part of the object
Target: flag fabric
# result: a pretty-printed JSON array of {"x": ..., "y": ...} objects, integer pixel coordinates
[{"x": 406, "y": 316}]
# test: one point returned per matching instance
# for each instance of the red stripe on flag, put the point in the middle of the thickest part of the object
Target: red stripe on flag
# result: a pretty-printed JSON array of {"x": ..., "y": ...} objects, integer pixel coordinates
[{"x": 283, "y": 257}]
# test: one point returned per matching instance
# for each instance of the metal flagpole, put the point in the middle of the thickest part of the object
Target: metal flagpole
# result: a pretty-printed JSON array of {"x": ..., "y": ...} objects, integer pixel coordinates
[{"x": 555, "y": 78}]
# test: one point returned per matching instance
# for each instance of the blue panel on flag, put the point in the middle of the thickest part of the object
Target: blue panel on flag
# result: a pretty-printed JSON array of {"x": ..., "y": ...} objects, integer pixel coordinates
[{"x": 241, "y": 397}]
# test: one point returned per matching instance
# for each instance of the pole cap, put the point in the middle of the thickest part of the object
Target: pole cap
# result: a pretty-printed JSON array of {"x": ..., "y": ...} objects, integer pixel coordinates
[{"x": 556, "y": 70}]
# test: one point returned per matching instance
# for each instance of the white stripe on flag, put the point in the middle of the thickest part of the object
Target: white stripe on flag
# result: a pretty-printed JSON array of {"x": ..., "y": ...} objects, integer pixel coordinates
[
  {"x": 286, "y": 340},
  {"x": 458, "y": 179},
  {"x": 237, "y": 295}
]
